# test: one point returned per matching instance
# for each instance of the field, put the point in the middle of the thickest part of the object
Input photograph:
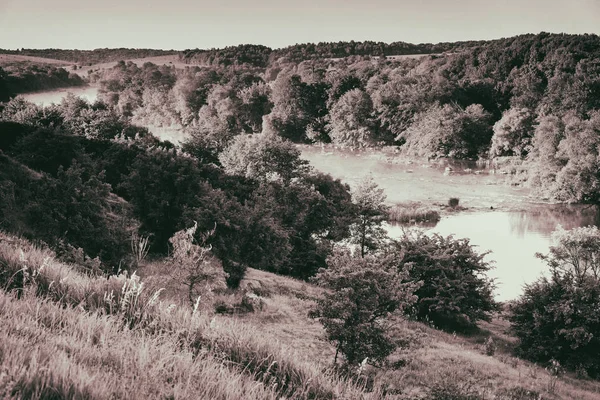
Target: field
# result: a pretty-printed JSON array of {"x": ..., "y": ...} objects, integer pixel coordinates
[
  {"x": 15, "y": 58},
  {"x": 69, "y": 335}
]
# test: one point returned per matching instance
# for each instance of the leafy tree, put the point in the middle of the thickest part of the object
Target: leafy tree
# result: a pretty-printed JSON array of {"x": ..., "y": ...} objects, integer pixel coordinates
[
  {"x": 362, "y": 294},
  {"x": 351, "y": 121},
  {"x": 513, "y": 133},
  {"x": 558, "y": 317},
  {"x": 297, "y": 106},
  {"x": 449, "y": 131},
  {"x": 543, "y": 160},
  {"x": 312, "y": 213},
  {"x": 79, "y": 208},
  {"x": 579, "y": 152},
  {"x": 455, "y": 292},
  {"x": 263, "y": 157},
  {"x": 369, "y": 201}
]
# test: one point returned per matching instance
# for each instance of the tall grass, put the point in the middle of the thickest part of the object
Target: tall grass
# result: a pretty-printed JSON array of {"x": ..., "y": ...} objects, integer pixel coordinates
[
  {"x": 48, "y": 351},
  {"x": 412, "y": 212},
  {"x": 31, "y": 271}
]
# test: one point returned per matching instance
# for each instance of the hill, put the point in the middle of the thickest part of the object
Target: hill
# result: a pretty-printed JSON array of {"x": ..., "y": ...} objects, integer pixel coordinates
[{"x": 125, "y": 337}]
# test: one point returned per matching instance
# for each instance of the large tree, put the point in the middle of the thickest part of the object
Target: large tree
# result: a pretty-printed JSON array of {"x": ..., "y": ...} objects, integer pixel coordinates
[{"x": 351, "y": 120}]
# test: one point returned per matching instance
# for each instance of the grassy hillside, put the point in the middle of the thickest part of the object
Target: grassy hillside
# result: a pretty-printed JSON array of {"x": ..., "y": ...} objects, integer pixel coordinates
[{"x": 64, "y": 334}]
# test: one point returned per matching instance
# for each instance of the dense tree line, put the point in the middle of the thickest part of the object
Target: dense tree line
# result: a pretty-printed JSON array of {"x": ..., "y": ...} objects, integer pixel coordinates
[
  {"x": 530, "y": 99},
  {"x": 89, "y": 57},
  {"x": 27, "y": 77}
]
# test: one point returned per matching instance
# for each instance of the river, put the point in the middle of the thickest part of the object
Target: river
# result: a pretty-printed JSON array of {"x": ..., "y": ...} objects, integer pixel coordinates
[
  {"x": 90, "y": 93},
  {"x": 504, "y": 220},
  {"x": 499, "y": 218}
]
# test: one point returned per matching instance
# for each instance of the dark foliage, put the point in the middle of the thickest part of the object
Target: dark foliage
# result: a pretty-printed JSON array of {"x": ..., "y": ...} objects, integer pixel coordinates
[{"x": 455, "y": 292}]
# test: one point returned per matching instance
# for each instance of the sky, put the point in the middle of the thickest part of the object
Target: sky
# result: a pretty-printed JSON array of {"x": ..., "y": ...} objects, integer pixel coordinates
[{"x": 183, "y": 24}]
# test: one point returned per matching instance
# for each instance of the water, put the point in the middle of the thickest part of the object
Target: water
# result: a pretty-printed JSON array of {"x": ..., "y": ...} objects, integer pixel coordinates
[
  {"x": 90, "y": 93},
  {"x": 514, "y": 230},
  {"x": 513, "y": 237}
]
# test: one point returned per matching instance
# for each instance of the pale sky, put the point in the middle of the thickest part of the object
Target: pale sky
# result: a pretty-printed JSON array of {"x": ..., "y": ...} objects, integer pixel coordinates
[{"x": 181, "y": 24}]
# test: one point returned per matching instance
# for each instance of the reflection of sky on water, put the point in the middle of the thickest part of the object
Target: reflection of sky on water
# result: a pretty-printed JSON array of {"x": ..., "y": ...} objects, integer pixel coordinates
[{"x": 513, "y": 238}]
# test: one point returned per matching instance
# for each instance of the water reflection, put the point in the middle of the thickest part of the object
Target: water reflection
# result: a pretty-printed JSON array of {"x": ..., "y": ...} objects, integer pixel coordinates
[
  {"x": 513, "y": 239},
  {"x": 90, "y": 93},
  {"x": 544, "y": 219}
]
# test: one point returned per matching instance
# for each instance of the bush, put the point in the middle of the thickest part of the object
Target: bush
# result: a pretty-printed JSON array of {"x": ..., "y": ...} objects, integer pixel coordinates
[
  {"x": 194, "y": 265},
  {"x": 453, "y": 202},
  {"x": 455, "y": 291},
  {"x": 364, "y": 292},
  {"x": 558, "y": 318}
]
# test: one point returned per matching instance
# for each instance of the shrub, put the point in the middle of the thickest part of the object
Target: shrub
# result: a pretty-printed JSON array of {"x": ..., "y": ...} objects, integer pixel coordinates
[
  {"x": 364, "y": 292},
  {"x": 193, "y": 264},
  {"x": 455, "y": 292},
  {"x": 453, "y": 202},
  {"x": 558, "y": 318}
]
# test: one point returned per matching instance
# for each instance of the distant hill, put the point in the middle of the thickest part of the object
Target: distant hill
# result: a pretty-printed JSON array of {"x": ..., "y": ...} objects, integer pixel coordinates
[{"x": 89, "y": 57}]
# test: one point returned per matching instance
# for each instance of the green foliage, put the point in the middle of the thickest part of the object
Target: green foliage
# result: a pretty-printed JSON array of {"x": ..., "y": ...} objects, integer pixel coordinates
[
  {"x": 455, "y": 292},
  {"x": 298, "y": 107},
  {"x": 24, "y": 77},
  {"x": 557, "y": 318},
  {"x": 193, "y": 266},
  {"x": 362, "y": 293}
]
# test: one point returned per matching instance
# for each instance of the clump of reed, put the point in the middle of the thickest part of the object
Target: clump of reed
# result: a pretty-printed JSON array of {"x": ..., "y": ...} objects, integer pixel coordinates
[{"x": 412, "y": 212}]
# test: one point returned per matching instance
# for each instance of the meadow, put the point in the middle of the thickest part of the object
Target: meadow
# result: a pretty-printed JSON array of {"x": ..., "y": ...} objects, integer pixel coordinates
[{"x": 69, "y": 335}]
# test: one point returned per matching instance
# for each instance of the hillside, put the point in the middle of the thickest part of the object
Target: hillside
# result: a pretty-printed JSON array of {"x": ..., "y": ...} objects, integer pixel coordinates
[{"x": 99, "y": 346}]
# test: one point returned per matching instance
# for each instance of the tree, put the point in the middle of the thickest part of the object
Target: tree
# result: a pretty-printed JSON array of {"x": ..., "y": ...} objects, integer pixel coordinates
[
  {"x": 351, "y": 120},
  {"x": 263, "y": 157},
  {"x": 455, "y": 292},
  {"x": 369, "y": 200},
  {"x": 449, "y": 131},
  {"x": 297, "y": 106},
  {"x": 579, "y": 152},
  {"x": 558, "y": 317},
  {"x": 545, "y": 164},
  {"x": 362, "y": 294},
  {"x": 513, "y": 133}
]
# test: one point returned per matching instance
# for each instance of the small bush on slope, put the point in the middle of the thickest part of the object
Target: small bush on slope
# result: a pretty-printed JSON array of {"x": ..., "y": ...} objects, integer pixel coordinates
[{"x": 364, "y": 292}]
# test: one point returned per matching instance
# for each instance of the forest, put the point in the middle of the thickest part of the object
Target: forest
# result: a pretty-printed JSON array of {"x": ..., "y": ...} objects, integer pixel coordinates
[
  {"x": 527, "y": 104},
  {"x": 243, "y": 234}
]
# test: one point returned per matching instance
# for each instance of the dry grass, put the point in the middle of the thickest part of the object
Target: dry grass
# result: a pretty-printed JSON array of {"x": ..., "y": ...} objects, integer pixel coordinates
[
  {"x": 274, "y": 352},
  {"x": 7, "y": 59},
  {"x": 32, "y": 273},
  {"x": 49, "y": 351}
]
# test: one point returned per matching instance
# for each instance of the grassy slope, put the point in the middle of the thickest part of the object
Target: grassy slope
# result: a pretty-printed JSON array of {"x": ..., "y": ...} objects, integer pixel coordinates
[
  {"x": 7, "y": 59},
  {"x": 84, "y": 350}
]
